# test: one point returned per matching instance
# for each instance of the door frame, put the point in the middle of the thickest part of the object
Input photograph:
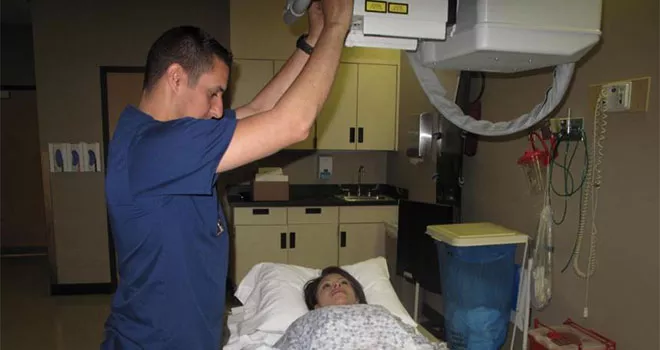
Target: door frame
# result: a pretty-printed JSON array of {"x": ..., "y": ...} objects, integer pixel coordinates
[
  {"x": 27, "y": 250},
  {"x": 104, "y": 71}
]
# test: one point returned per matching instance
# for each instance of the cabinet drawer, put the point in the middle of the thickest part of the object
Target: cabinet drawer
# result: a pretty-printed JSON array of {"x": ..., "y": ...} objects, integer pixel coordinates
[
  {"x": 376, "y": 214},
  {"x": 260, "y": 216},
  {"x": 313, "y": 215}
]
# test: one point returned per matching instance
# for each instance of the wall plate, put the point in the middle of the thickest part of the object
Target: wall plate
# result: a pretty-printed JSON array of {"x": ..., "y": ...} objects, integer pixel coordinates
[{"x": 567, "y": 129}]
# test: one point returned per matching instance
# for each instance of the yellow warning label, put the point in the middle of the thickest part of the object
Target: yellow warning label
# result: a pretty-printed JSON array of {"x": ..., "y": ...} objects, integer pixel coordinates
[
  {"x": 375, "y": 6},
  {"x": 398, "y": 8}
]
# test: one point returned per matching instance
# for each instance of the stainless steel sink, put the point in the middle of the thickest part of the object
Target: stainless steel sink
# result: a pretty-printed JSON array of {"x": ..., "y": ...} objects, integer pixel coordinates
[{"x": 377, "y": 198}]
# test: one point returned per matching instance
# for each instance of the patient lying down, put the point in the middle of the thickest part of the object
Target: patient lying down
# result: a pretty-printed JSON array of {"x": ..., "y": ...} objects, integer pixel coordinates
[
  {"x": 334, "y": 287},
  {"x": 340, "y": 318}
]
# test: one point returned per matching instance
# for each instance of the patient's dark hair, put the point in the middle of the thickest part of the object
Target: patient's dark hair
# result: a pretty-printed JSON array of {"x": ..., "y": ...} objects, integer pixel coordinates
[{"x": 312, "y": 286}]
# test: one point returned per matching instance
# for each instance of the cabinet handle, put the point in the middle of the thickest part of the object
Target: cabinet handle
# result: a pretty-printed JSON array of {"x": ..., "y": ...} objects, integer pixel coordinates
[
  {"x": 260, "y": 211},
  {"x": 342, "y": 239},
  {"x": 351, "y": 137},
  {"x": 312, "y": 210},
  {"x": 283, "y": 240},
  {"x": 292, "y": 240},
  {"x": 360, "y": 135}
]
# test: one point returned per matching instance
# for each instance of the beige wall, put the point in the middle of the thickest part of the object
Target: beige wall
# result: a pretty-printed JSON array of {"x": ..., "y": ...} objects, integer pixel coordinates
[
  {"x": 304, "y": 170},
  {"x": 623, "y": 295},
  {"x": 71, "y": 40},
  {"x": 302, "y": 167}
]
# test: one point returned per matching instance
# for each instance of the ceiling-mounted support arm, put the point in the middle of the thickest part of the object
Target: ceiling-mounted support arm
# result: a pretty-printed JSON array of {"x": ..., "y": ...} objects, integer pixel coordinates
[
  {"x": 295, "y": 9},
  {"x": 436, "y": 93}
]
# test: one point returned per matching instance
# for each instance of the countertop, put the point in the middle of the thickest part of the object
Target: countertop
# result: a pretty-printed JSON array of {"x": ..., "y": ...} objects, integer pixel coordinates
[{"x": 318, "y": 196}]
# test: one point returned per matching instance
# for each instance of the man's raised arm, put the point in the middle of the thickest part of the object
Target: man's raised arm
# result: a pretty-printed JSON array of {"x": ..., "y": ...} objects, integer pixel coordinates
[
  {"x": 273, "y": 91},
  {"x": 292, "y": 117}
]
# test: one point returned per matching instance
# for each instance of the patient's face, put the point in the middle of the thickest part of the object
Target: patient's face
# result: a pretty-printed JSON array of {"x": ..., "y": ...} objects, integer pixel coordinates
[{"x": 335, "y": 290}]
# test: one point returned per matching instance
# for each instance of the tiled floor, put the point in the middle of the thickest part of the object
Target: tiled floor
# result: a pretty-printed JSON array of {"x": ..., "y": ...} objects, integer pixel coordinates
[{"x": 32, "y": 319}]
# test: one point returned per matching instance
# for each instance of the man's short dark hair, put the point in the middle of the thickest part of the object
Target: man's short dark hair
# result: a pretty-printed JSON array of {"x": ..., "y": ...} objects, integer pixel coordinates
[
  {"x": 191, "y": 47},
  {"x": 312, "y": 286}
]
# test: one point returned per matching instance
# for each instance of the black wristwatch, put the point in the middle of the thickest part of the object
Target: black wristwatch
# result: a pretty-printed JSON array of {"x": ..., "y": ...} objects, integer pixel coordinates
[{"x": 304, "y": 45}]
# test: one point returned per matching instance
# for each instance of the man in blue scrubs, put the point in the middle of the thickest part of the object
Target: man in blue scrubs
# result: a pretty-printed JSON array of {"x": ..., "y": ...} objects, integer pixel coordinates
[{"x": 163, "y": 161}]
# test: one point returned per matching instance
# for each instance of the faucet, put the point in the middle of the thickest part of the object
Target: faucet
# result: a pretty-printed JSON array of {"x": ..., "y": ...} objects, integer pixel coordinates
[{"x": 360, "y": 173}]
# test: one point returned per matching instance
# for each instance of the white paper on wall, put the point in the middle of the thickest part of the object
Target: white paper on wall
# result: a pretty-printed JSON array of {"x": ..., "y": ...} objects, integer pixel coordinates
[
  {"x": 76, "y": 157},
  {"x": 59, "y": 157},
  {"x": 91, "y": 157}
]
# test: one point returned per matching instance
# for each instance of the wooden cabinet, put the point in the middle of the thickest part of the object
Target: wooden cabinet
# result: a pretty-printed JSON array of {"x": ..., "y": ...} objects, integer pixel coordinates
[
  {"x": 254, "y": 244},
  {"x": 314, "y": 237},
  {"x": 303, "y": 236},
  {"x": 362, "y": 232},
  {"x": 337, "y": 121},
  {"x": 359, "y": 242},
  {"x": 312, "y": 245},
  {"x": 361, "y": 110},
  {"x": 377, "y": 107}
]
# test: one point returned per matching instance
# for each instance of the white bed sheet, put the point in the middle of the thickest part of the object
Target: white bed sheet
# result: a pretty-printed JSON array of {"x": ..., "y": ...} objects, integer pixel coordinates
[{"x": 255, "y": 341}]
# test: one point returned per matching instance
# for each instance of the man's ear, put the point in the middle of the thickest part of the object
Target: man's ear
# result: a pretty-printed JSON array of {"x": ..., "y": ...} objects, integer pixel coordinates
[{"x": 176, "y": 77}]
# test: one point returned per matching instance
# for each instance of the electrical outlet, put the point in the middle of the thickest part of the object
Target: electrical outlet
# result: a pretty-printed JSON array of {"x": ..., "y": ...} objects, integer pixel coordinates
[
  {"x": 634, "y": 93},
  {"x": 618, "y": 96}
]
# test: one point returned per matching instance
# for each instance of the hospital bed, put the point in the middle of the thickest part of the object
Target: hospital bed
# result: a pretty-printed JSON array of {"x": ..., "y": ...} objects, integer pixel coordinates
[{"x": 272, "y": 298}]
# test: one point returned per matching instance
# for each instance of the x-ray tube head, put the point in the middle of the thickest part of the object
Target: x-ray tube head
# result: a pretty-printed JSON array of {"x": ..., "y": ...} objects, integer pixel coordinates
[{"x": 387, "y": 25}]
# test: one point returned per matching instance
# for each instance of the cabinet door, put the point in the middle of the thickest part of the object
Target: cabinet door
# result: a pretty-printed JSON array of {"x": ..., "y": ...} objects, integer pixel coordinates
[
  {"x": 337, "y": 121},
  {"x": 313, "y": 246},
  {"x": 308, "y": 143},
  {"x": 359, "y": 242},
  {"x": 248, "y": 78},
  {"x": 377, "y": 107},
  {"x": 256, "y": 244}
]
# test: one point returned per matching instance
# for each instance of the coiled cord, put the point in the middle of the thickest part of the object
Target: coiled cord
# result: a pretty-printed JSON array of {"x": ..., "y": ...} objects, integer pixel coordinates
[{"x": 593, "y": 183}]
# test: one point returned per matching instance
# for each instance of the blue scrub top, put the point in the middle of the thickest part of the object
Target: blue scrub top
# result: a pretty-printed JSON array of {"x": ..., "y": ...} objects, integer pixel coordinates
[{"x": 169, "y": 232}]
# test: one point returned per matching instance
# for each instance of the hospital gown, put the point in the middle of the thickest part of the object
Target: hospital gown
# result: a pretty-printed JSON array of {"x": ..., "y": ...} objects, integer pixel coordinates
[{"x": 353, "y": 327}]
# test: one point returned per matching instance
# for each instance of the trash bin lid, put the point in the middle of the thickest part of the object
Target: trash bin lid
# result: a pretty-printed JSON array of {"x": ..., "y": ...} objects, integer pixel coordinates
[{"x": 475, "y": 234}]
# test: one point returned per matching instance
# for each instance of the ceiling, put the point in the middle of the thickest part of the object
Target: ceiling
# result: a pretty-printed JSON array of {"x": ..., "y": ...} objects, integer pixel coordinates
[{"x": 15, "y": 12}]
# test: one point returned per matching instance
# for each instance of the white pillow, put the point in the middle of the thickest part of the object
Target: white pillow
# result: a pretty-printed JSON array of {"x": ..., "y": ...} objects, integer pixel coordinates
[{"x": 272, "y": 294}]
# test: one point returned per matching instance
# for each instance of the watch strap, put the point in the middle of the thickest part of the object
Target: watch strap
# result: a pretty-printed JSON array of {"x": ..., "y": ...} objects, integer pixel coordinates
[{"x": 304, "y": 45}]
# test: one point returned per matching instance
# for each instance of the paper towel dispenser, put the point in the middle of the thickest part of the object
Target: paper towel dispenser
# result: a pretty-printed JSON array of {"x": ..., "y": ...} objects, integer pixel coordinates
[{"x": 422, "y": 135}]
